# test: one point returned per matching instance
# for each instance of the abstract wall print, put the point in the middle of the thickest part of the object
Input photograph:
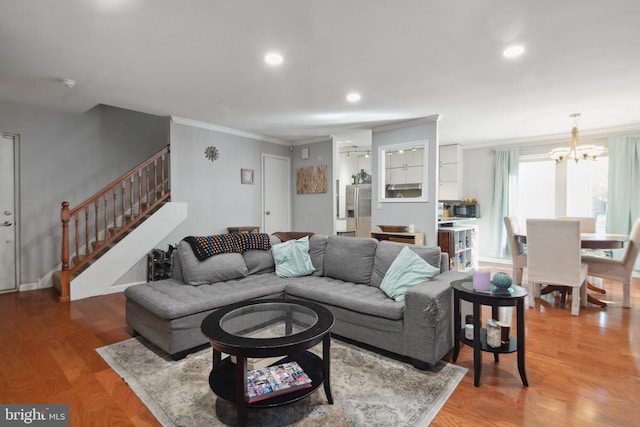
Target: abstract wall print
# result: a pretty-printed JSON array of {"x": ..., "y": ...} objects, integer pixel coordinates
[{"x": 312, "y": 179}]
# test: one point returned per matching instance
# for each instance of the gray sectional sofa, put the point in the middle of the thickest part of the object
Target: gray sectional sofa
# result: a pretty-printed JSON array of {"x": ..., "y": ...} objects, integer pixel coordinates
[{"x": 347, "y": 277}]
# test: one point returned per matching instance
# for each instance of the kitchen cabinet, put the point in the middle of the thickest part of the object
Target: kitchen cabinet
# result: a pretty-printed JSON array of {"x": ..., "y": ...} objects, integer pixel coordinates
[
  {"x": 405, "y": 167},
  {"x": 450, "y": 185},
  {"x": 461, "y": 243}
]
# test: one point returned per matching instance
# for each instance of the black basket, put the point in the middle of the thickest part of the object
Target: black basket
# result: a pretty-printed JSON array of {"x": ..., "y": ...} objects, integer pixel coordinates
[{"x": 159, "y": 264}]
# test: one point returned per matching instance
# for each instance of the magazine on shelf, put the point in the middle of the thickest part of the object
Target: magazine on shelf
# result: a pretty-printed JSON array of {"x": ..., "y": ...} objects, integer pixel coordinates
[
  {"x": 275, "y": 380},
  {"x": 259, "y": 362}
]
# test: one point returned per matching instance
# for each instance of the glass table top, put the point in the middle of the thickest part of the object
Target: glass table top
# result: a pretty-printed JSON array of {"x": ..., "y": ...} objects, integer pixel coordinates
[{"x": 268, "y": 320}]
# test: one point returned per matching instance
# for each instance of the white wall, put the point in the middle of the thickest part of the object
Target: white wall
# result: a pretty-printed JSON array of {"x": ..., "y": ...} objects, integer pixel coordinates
[{"x": 422, "y": 214}]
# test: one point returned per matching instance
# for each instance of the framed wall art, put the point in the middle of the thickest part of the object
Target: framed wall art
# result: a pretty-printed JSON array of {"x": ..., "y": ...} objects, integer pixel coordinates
[
  {"x": 246, "y": 176},
  {"x": 312, "y": 179}
]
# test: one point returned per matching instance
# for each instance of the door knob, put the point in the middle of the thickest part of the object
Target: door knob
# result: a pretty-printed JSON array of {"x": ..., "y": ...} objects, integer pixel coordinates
[
  {"x": 8, "y": 224},
  {"x": 267, "y": 213}
]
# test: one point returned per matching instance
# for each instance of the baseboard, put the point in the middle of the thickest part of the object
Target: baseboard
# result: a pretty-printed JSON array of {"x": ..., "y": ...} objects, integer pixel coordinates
[
  {"x": 490, "y": 260},
  {"x": 34, "y": 286},
  {"x": 120, "y": 288}
]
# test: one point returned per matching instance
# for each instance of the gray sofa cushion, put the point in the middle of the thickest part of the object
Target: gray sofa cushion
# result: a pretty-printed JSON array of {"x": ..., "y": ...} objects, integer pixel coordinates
[
  {"x": 214, "y": 269},
  {"x": 168, "y": 300},
  {"x": 259, "y": 261},
  {"x": 360, "y": 298},
  {"x": 349, "y": 258},
  {"x": 388, "y": 251},
  {"x": 317, "y": 246}
]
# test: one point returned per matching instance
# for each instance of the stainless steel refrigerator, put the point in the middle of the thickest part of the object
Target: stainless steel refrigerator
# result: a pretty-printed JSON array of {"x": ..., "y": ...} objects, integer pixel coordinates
[{"x": 358, "y": 209}]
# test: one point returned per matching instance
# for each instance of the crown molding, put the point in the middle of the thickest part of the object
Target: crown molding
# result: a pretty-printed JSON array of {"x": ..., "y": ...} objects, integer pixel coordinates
[
  {"x": 559, "y": 138},
  {"x": 406, "y": 123},
  {"x": 315, "y": 140},
  {"x": 231, "y": 131}
]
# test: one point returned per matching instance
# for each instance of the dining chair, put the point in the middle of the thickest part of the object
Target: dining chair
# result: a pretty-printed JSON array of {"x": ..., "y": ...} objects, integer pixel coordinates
[
  {"x": 553, "y": 259},
  {"x": 518, "y": 256},
  {"x": 587, "y": 223},
  {"x": 618, "y": 270}
]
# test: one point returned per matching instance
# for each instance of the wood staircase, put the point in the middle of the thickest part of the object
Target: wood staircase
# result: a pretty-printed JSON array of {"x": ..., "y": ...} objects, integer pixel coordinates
[{"x": 96, "y": 225}]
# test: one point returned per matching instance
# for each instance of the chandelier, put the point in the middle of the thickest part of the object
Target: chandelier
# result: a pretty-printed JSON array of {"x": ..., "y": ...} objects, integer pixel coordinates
[{"x": 575, "y": 151}]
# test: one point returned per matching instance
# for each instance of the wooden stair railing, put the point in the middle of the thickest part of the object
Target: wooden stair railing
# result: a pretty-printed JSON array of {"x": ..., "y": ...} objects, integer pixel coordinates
[{"x": 106, "y": 216}]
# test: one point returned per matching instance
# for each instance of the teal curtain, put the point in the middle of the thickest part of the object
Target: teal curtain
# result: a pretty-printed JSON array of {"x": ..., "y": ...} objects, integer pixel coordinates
[
  {"x": 505, "y": 186},
  {"x": 623, "y": 204}
]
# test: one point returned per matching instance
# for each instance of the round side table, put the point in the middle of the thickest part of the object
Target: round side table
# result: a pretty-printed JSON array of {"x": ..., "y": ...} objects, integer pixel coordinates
[{"x": 514, "y": 296}]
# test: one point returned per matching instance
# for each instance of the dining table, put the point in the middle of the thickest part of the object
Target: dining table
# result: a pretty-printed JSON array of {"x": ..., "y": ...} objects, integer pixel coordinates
[{"x": 599, "y": 241}]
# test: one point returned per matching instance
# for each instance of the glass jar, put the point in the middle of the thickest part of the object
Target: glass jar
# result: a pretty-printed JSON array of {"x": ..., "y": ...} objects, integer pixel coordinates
[{"x": 494, "y": 338}]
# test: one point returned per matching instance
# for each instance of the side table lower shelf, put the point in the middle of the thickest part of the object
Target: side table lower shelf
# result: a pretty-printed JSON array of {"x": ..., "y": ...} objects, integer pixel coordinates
[
  {"x": 222, "y": 380},
  {"x": 510, "y": 347}
]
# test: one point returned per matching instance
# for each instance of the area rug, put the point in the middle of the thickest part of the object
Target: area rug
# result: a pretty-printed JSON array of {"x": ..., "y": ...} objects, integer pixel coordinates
[{"x": 368, "y": 389}]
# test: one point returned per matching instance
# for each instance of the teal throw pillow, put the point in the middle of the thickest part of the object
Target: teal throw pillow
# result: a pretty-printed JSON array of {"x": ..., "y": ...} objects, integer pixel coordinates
[
  {"x": 407, "y": 270},
  {"x": 292, "y": 258}
]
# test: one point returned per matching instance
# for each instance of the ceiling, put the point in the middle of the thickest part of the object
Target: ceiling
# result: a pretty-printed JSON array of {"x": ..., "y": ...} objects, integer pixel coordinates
[{"x": 202, "y": 60}]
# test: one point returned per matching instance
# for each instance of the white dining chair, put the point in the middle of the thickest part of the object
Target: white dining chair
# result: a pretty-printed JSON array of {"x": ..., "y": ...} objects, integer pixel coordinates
[
  {"x": 553, "y": 259},
  {"x": 518, "y": 256},
  {"x": 618, "y": 270},
  {"x": 587, "y": 223}
]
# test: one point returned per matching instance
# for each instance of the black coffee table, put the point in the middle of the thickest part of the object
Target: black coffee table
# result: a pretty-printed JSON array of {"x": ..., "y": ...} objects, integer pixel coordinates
[
  {"x": 463, "y": 290},
  {"x": 267, "y": 328}
]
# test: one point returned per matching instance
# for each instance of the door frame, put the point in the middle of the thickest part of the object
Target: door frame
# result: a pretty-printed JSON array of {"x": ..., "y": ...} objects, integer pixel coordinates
[
  {"x": 263, "y": 187},
  {"x": 16, "y": 206}
]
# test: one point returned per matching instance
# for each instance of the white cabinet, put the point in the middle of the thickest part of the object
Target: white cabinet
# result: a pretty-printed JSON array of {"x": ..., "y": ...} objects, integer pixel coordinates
[
  {"x": 450, "y": 185},
  {"x": 405, "y": 167},
  {"x": 461, "y": 243}
]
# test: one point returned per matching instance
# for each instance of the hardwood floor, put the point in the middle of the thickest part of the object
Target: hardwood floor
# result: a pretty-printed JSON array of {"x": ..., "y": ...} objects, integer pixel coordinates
[{"x": 582, "y": 370}]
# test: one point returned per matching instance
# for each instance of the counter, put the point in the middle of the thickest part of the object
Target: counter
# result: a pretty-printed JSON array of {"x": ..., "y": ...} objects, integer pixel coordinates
[{"x": 452, "y": 220}]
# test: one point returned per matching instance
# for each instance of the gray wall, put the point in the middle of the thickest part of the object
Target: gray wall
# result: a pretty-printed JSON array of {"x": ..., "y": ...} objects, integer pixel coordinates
[
  {"x": 422, "y": 214},
  {"x": 313, "y": 212},
  {"x": 66, "y": 156},
  {"x": 216, "y": 198}
]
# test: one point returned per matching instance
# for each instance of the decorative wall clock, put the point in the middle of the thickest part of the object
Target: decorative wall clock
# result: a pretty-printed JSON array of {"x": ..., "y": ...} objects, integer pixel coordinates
[{"x": 212, "y": 153}]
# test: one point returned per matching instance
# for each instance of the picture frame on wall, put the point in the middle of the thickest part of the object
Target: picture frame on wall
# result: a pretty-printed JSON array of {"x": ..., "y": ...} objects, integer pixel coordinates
[{"x": 246, "y": 176}]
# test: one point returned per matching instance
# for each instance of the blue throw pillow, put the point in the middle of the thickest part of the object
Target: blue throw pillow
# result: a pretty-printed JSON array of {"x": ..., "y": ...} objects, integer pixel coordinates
[
  {"x": 292, "y": 258},
  {"x": 407, "y": 270}
]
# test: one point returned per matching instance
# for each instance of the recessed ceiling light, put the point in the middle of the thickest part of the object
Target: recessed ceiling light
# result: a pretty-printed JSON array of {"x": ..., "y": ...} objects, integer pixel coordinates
[
  {"x": 273, "y": 58},
  {"x": 353, "y": 97},
  {"x": 513, "y": 51},
  {"x": 69, "y": 83}
]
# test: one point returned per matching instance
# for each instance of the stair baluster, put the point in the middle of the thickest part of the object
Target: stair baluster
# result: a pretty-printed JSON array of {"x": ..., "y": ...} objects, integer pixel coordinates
[{"x": 124, "y": 217}]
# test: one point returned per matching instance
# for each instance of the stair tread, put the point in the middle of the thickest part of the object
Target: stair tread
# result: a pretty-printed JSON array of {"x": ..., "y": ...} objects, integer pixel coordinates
[{"x": 58, "y": 274}]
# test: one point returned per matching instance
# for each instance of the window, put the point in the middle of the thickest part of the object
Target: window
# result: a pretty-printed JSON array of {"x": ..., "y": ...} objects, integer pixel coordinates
[
  {"x": 587, "y": 183},
  {"x": 536, "y": 189},
  {"x": 547, "y": 190}
]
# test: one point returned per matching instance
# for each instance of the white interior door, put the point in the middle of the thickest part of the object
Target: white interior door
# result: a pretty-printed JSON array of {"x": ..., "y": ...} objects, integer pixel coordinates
[
  {"x": 8, "y": 278},
  {"x": 276, "y": 191}
]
